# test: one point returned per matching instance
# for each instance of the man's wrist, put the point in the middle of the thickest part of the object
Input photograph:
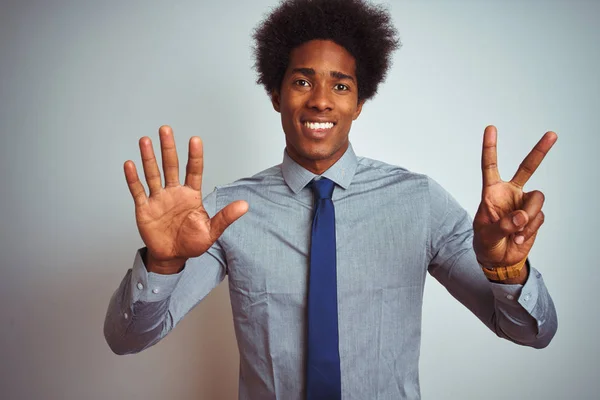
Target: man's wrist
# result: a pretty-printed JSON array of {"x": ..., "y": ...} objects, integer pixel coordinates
[
  {"x": 512, "y": 274},
  {"x": 169, "y": 267}
]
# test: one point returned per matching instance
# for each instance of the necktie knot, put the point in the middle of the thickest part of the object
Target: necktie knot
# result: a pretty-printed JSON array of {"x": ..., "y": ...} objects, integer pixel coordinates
[{"x": 322, "y": 188}]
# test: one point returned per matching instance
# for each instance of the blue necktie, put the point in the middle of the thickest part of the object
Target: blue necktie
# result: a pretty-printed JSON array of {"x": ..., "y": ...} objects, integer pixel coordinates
[{"x": 323, "y": 380}]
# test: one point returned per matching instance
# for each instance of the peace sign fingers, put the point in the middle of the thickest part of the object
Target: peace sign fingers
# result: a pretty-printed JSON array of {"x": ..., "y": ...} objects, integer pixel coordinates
[{"x": 489, "y": 158}]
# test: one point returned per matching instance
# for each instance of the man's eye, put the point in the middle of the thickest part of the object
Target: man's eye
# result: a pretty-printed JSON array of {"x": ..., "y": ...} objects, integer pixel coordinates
[
  {"x": 341, "y": 86},
  {"x": 301, "y": 82}
]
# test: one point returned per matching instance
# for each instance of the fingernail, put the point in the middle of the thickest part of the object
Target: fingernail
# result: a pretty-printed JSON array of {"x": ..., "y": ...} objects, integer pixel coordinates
[
  {"x": 519, "y": 239},
  {"x": 518, "y": 219}
]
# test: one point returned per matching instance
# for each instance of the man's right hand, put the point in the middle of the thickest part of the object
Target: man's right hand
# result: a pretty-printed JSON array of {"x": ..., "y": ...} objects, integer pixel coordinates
[{"x": 172, "y": 221}]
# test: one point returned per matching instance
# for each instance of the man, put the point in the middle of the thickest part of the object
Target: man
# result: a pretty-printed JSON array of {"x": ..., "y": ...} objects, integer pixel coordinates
[{"x": 327, "y": 252}]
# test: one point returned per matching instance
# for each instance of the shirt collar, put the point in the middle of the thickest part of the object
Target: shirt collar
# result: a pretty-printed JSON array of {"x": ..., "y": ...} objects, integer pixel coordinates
[{"x": 342, "y": 172}]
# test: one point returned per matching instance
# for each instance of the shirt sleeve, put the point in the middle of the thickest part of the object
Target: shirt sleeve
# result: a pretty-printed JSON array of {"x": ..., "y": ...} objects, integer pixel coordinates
[
  {"x": 524, "y": 314},
  {"x": 146, "y": 306}
]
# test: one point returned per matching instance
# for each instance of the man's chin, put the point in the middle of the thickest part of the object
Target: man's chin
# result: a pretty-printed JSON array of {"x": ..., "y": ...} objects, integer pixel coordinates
[
  {"x": 317, "y": 153},
  {"x": 316, "y": 150}
]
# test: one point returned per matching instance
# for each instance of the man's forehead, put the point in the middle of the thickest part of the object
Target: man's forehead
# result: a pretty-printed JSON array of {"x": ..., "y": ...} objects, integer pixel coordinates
[{"x": 322, "y": 57}]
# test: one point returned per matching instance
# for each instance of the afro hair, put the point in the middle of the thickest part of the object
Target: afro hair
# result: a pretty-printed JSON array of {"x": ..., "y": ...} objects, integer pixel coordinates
[{"x": 364, "y": 30}]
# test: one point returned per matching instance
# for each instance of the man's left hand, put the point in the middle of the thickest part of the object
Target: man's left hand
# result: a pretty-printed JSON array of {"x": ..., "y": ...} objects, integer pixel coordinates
[{"x": 508, "y": 218}]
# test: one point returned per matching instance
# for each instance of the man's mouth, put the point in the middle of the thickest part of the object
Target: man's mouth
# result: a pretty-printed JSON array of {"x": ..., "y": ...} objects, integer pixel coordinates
[{"x": 318, "y": 126}]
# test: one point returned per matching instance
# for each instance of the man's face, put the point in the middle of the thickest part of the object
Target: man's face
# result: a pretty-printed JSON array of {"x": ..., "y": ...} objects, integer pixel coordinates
[{"x": 318, "y": 101}]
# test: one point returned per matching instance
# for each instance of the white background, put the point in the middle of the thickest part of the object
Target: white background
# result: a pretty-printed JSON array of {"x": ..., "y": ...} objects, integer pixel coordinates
[{"x": 81, "y": 81}]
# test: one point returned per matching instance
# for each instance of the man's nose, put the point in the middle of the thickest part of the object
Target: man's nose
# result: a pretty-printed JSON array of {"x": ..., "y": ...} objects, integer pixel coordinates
[{"x": 320, "y": 98}]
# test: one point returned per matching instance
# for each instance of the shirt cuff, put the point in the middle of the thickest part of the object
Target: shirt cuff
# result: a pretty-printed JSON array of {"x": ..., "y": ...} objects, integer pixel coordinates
[
  {"x": 149, "y": 286},
  {"x": 525, "y": 295}
]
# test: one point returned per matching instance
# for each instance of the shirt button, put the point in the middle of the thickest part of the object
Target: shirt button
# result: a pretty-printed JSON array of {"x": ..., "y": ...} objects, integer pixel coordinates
[
  {"x": 140, "y": 286},
  {"x": 125, "y": 315},
  {"x": 510, "y": 296},
  {"x": 527, "y": 297},
  {"x": 155, "y": 290},
  {"x": 538, "y": 275}
]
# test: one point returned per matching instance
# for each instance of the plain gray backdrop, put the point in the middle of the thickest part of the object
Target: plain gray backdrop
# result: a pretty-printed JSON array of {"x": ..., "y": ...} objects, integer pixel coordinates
[{"x": 82, "y": 81}]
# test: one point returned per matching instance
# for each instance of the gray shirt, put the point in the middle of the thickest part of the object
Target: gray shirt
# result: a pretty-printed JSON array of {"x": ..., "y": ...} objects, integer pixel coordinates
[{"x": 392, "y": 226}]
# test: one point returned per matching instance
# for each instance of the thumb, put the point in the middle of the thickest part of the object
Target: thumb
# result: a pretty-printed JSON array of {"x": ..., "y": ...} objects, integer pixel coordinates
[
  {"x": 226, "y": 217},
  {"x": 506, "y": 226}
]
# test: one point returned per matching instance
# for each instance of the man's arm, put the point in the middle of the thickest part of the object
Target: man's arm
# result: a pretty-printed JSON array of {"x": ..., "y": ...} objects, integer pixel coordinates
[
  {"x": 147, "y": 305},
  {"x": 178, "y": 228},
  {"x": 524, "y": 314},
  {"x": 504, "y": 230}
]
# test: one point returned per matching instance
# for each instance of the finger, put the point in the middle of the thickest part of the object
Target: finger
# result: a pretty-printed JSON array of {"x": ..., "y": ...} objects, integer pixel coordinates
[
  {"x": 169, "y": 156},
  {"x": 151, "y": 171},
  {"x": 133, "y": 182},
  {"x": 532, "y": 203},
  {"x": 195, "y": 164},
  {"x": 531, "y": 229},
  {"x": 505, "y": 226},
  {"x": 489, "y": 158},
  {"x": 226, "y": 217},
  {"x": 534, "y": 159}
]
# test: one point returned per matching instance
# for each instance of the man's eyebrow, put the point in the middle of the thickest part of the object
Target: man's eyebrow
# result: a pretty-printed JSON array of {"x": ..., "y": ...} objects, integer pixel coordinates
[
  {"x": 305, "y": 71},
  {"x": 333, "y": 74},
  {"x": 341, "y": 75}
]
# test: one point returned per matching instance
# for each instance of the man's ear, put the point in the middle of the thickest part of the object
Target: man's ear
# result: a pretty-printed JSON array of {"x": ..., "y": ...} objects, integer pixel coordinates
[
  {"x": 358, "y": 109},
  {"x": 275, "y": 97}
]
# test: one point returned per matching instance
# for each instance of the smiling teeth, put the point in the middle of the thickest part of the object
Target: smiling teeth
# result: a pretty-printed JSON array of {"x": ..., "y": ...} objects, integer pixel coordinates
[{"x": 319, "y": 125}]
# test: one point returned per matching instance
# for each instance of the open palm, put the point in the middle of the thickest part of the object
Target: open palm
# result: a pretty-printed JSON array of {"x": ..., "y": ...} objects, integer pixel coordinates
[{"x": 172, "y": 221}]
